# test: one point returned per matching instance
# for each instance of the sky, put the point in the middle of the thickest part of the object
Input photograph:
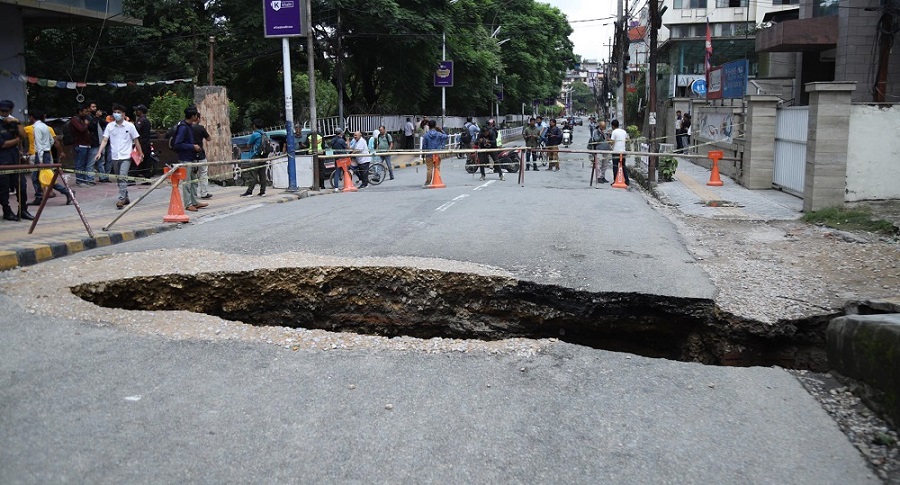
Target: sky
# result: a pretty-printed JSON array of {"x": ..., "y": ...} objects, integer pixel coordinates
[{"x": 590, "y": 38}]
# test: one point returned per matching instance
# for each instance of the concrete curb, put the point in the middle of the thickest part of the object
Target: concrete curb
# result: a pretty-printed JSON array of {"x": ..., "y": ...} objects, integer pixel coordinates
[
  {"x": 11, "y": 259},
  {"x": 867, "y": 348},
  {"x": 45, "y": 252}
]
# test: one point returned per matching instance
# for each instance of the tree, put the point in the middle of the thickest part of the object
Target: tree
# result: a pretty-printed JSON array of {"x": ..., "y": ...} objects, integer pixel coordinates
[{"x": 582, "y": 97}]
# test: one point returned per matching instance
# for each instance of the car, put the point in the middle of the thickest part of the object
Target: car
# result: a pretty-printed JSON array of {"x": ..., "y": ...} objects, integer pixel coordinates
[
  {"x": 277, "y": 136},
  {"x": 579, "y": 121}
]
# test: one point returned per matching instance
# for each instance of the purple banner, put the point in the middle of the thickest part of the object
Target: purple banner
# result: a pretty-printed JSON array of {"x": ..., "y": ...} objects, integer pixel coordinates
[
  {"x": 443, "y": 75},
  {"x": 284, "y": 18}
]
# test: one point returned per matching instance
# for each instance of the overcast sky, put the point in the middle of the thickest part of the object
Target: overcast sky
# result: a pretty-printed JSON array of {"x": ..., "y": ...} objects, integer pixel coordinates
[{"x": 590, "y": 38}]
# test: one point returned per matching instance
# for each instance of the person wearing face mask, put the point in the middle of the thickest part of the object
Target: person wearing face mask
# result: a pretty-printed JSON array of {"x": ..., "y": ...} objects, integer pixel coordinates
[{"x": 121, "y": 136}]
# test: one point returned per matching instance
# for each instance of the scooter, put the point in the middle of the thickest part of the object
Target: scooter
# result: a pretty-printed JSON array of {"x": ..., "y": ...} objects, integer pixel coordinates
[{"x": 567, "y": 137}]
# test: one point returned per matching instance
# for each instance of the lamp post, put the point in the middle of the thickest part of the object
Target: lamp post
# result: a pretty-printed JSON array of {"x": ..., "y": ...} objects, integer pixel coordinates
[{"x": 444, "y": 88}]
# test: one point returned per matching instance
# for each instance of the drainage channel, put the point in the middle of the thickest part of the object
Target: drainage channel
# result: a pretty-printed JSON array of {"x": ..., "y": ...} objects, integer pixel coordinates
[{"x": 392, "y": 301}]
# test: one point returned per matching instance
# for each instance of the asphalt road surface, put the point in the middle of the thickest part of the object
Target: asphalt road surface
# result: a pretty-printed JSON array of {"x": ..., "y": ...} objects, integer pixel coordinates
[{"x": 87, "y": 403}]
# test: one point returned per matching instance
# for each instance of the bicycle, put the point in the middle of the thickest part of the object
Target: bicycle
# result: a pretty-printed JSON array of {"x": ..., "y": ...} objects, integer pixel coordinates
[{"x": 378, "y": 171}]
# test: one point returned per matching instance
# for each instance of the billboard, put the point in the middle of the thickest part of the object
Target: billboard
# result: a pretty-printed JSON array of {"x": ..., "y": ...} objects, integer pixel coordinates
[
  {"x": 728, "y": 80},
  {"x": 443, "y": 75},
  {"x": 284, "y": 18}
]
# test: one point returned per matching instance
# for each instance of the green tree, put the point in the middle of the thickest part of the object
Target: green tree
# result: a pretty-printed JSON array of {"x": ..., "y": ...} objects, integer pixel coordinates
[{"x": 582, "y": 97}]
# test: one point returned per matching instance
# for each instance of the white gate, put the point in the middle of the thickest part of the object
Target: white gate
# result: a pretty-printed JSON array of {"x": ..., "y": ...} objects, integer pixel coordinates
[{"x": 791, "y": 129}]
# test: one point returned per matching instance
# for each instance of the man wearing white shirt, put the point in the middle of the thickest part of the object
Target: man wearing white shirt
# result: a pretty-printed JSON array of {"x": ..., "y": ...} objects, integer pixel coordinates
[
  {"x": 618, "y": 138},
  {"x": 359, "y": 145},
  {"x": 122, "y": 137},
  {"x": 42, "y": 141}
]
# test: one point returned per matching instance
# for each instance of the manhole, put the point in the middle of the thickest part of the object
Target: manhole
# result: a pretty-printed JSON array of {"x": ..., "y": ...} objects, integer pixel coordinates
[
  {"x": 391, "y": 301},
  {"x": 719, "y": 203}
]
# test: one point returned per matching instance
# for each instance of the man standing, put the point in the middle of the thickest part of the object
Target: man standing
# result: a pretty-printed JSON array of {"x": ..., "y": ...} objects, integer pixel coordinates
[
  {"x": 618, "y": 138},
  {"x": 142, "y": 124},
  {"x": 385, "y": 143},
  {"x": 187, "y": 150},
  {"x": 601, "y": 142},
  {"x": 201, "y": 135},
  {"x": 473, "y": 130},
  {"x": 488, "y": 139},
  {"x": 531, "y": 134},
  {"x": 121, "y": 136},
  {"x": 679, "y": 143},
  {"x": 359, "y": 145},
  {"x": 554, "y": 138},
  {"x": 434, "y": 139},
  {"x": 11, "y": 134},
  {"x": 96, "y": 122},
  {"x": 79, "y": 127},
  {"x": 256, "y": 171},
  {"x": 409, "y": 131},
  {"x": 339, "y": 145},
  {"x": 41, "y": 141}
]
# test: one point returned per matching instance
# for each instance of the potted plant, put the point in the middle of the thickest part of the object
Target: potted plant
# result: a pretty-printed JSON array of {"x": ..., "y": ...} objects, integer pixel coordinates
[{"x": 667, "y": 166}]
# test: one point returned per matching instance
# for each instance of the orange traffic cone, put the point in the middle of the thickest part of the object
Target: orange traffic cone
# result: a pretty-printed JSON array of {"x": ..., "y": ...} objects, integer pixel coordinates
[
  {"x": 344, "y": 163},
  {"x": 176, "y": 205},
  {"x": 620, "y": 175},
  {"x": 436, "y": 182},
  {"x": 714, "y": 179}
]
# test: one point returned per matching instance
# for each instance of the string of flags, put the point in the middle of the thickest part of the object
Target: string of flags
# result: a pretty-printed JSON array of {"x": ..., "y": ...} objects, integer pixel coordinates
[{"x": 51, "y": 83}]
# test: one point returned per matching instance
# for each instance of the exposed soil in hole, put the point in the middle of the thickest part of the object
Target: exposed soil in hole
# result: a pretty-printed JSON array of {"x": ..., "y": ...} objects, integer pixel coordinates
[{"x": 391, "y": 301}]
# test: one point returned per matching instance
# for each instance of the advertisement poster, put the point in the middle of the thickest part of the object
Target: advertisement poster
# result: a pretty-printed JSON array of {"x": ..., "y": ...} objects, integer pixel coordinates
[
  {"x": 283, "y": 18},
  {"x": 714, "y": 126},
  {"x": 443, "y": 75}
]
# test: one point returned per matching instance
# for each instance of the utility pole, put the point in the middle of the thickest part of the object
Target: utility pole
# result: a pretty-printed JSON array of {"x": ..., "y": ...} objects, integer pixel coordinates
[
  {"x": 620, "y": 90},
  {"x": 212, "y": 43},
  {"x": 340, "y": 71},
  {"x": 311, "y": 70},
  {"x": 655, "y": 24}
]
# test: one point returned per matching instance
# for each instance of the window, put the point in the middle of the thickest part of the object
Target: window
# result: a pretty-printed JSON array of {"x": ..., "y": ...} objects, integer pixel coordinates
[
  {"x": 693, "y": 3},
  {"x": 785, "y": 2},
  {"x": 731, "y": 3}
]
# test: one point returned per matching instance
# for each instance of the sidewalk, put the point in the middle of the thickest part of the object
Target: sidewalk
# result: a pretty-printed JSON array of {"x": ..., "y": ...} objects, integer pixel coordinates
[
  {"x": 60, "y": 232},
  {"x": 690, "y": 194}
]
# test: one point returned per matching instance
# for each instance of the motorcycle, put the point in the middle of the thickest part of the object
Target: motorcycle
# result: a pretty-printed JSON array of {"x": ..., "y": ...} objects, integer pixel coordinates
[
  {"x": 508, "y": 160},
  {"x": 567, "y": 137}
]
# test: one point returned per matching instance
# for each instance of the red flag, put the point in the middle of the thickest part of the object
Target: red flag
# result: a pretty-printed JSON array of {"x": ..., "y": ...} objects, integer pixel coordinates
[{"x": 708, "y": 48}]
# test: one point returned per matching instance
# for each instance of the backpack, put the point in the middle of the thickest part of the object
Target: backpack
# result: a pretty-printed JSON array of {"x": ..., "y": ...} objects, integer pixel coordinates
[
  {"x": 265, "y": 147},
  {"x": 68, "y": 138},
  {"x": 170, "y": 136},
  {"x": 466, "y": 136}
]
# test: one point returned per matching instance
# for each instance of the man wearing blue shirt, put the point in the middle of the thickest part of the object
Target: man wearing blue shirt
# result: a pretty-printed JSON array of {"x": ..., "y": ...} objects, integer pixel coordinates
[{"x": 257, "y": 172}]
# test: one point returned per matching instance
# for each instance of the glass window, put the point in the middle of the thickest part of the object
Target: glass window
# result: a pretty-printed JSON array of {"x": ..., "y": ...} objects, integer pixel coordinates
[
  {"x": 731, "y": 3},
  {"x": 677, "y": 4},
  {"x": 825, "y": 8},
  {"x": 785, "y": 2}
]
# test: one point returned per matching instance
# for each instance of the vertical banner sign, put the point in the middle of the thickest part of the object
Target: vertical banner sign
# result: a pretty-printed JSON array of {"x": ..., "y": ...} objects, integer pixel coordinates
[
  {"x": 284, "y": 18},
  {"x": 443, "y": 75}
]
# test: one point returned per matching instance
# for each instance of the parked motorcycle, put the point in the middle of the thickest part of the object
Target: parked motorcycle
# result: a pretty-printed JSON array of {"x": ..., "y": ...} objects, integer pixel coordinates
[{"x": 508, "y": 160}]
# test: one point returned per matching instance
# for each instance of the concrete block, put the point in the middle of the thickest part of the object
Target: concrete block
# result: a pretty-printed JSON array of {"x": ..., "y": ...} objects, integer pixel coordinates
[{"x": 867, "y": 348}]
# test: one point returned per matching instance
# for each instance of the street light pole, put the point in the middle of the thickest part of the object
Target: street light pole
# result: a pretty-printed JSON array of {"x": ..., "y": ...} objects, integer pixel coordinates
[
  {"x": 443, "y": 88},
  {"x": 655, "y": 23}
]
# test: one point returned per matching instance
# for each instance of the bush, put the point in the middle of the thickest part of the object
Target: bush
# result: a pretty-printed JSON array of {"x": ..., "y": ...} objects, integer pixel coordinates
[
  {"x": 633, "y": 131},
  {"x": 167, "y": 110}
]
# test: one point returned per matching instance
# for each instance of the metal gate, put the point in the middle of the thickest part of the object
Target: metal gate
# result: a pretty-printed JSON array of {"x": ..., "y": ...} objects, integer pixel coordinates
[{"x": 791, "y": 130}]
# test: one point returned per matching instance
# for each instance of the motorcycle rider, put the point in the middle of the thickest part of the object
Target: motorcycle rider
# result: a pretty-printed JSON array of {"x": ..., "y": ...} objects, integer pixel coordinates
[{"x": 487, "y": 138}]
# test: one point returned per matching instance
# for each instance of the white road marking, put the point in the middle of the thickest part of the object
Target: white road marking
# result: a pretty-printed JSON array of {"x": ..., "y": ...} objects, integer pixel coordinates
[
  {"x": 448, "y": 204},
  {"x": 489, "y": 182}
]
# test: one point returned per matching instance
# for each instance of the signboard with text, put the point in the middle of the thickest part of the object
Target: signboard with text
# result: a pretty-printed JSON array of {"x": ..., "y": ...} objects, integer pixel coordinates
[
  {"x": 728, "y": 81},
  {"x": 284, "y": 18},
  {"x": 443, "y": 75}
]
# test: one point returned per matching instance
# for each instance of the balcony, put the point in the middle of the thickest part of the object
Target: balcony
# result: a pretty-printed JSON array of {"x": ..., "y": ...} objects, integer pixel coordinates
[
  {"x": 801, "y": 35},
  {"x": 52, "y": 13}
]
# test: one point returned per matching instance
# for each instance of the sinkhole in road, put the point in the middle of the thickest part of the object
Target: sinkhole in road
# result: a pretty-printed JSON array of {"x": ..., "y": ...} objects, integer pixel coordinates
[{"x": 395, "y": 301}]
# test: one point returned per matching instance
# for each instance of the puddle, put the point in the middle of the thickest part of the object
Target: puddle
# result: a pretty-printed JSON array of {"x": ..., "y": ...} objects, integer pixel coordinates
[{"x": 392, "y": 301}]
